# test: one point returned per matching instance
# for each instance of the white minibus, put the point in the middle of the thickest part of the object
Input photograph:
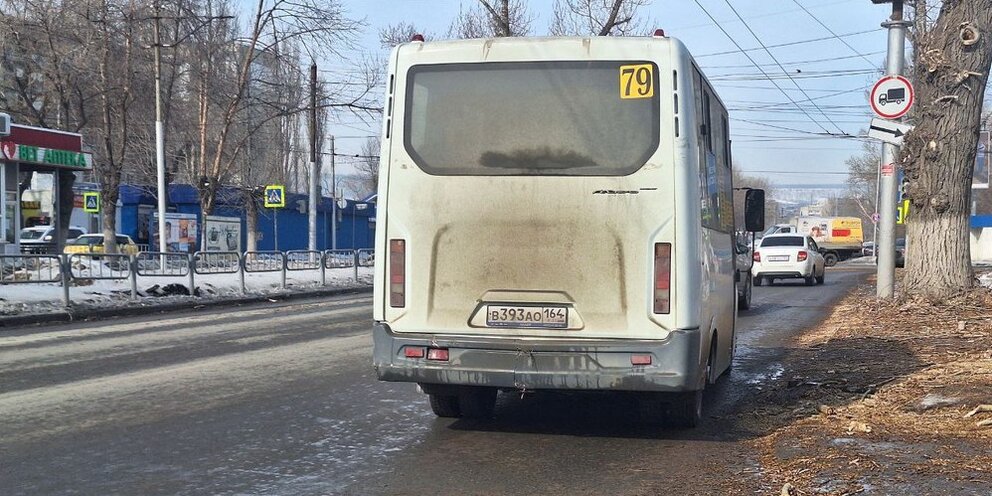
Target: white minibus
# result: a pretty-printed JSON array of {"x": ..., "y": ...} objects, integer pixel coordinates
[{"x": 555, "y": 214}]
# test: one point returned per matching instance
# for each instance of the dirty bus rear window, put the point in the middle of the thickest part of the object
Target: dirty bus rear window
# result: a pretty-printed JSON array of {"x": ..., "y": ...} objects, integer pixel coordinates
[{"x": 532, "y": 118}]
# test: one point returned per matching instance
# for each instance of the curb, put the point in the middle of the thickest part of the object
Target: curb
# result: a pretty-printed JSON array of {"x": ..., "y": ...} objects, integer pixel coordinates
[{"x": 132, "y": 310}]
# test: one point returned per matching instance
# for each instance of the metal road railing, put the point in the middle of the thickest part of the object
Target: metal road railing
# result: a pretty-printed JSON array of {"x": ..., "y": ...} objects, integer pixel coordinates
[
  {"x": 162, "y": 264},
  {"x": 339, "y": 259},
  {"x": 64, "y": 269},
  {"x": 364, "y": 258},
  {"x": 23, "y": 269},
  {"x": 217, "y": 262},
  {"x": 265, "y": 261},
  {"x": 103, "y": 266},
  {"x": 303, "y": 260},
  {"x": 297, "y": 260}
]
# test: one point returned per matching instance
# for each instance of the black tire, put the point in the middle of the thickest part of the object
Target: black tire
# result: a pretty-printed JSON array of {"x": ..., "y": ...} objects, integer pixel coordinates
[
  {"x": 758, "y": 281},
  {"x": 744, "y": 301},
  {"x": 830, "y": 259},
  {"x": 477, "y": 403},
  {"x": 811, "y": 280},
  {"x": 823, "y": 276},
  {"x": 446, "y": 406},
  {"x": 685, "y": 410}
]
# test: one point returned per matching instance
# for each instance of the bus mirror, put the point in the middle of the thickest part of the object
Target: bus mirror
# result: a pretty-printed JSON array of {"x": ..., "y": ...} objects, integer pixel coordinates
[{"x": 754, "y": 210}]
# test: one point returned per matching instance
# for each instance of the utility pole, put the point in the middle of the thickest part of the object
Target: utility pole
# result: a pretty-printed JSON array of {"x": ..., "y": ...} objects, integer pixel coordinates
[
  {"x": 886, "y": 247},
  {"x": 159, "y": 134},
  {"x": 334, "y": 202},
  {"x": 312, "y": 204}
]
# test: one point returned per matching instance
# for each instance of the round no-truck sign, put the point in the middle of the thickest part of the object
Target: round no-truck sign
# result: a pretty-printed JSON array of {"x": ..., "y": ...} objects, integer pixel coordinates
[{"x": 892, "y": 97}]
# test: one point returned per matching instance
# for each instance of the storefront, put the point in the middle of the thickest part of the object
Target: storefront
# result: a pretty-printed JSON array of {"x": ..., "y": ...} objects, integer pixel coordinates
[{"x": 28, "y": 150}]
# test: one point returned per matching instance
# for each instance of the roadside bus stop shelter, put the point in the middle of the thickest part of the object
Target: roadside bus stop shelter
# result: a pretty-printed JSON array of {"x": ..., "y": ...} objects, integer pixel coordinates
[{"x": 34, "y": 149}]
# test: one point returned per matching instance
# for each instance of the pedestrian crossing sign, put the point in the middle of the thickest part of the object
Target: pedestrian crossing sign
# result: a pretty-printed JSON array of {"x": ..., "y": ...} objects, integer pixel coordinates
[
  {"x": 275, "y": 196},
  {"x": 91, "y": 202}
]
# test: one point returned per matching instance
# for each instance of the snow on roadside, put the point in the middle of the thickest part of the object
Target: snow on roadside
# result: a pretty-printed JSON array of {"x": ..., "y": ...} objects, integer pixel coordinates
[{"x": 36, "y": 298}]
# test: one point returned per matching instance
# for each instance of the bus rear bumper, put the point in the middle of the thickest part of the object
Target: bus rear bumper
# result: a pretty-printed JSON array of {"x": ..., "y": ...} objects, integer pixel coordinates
[{"x": 534, "y": 364}]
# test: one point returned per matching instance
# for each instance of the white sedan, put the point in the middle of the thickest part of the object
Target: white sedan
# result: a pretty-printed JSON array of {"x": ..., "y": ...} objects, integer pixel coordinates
[{"x": 788, "y": 256}]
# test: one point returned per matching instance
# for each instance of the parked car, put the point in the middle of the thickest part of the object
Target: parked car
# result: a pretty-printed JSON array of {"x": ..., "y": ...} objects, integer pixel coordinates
[
  {"x": 788, "y": 256},
  {"x": 41, "y": 239},
  {"x": 93, "y": 243}
]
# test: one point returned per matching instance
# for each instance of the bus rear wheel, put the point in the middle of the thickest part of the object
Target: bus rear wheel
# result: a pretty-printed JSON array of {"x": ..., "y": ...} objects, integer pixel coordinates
[
  {"x": 744, "y": 300},
  {"x": 477, "y": 403},
  {"x": 445, "y": 406},
  {"x": 685, "y": 410}
]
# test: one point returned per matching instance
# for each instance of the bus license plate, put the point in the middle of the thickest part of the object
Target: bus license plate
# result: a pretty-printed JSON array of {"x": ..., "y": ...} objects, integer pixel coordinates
[{"x": 511, "y": 316}]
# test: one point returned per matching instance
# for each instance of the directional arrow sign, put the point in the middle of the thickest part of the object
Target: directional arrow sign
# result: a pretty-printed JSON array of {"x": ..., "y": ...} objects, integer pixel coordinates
[{"x": 888, "y": 131}]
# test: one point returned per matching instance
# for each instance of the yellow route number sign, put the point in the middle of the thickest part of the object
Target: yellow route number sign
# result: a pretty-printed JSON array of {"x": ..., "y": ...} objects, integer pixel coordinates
[{"x": 636, "y": 81}]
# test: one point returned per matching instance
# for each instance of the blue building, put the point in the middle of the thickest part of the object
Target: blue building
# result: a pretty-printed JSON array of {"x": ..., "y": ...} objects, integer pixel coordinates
[{"x": 355, "y": 222}]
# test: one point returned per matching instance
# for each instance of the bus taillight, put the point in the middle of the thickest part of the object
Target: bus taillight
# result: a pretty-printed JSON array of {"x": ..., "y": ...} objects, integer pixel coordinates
[
  {"x": 662, "y": 277},
  {"x": 397, "y": 273}
]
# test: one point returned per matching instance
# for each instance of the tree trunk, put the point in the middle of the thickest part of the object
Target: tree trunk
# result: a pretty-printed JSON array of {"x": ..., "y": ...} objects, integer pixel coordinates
[
  {"x": 951, "y": 64},
  {"x": 108, "y": 212}
]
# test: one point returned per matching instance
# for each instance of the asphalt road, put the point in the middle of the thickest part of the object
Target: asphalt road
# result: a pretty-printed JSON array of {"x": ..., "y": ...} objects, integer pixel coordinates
[{"x": 282, "y": 399}]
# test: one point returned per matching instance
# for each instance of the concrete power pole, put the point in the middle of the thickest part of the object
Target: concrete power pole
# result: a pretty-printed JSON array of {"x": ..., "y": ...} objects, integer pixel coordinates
[
  {"x": 312, "y": 204},
  {"x": 163, "y": 193},
  {"x": 334, "y": 201},
  {"x": 888, "y": 189}
]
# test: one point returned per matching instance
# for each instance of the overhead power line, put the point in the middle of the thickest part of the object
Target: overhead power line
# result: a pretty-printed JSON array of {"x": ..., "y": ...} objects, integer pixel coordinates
[
  {"x": 795, "y": 172},
  {"x": 843, "y": 73},
  {"x": 765, "y": 105},
  {"x": 777, "y": 12},
  {"x": 770, "y": 54},
  {"x": 780, "y": 45},
  {"x": 741, "y": 49},
  {"x": 832, "y": 33},
  {"x": 797, "y": 62}
]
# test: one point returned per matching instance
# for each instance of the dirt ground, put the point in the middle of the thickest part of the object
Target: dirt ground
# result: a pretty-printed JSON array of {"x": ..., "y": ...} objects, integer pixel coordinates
[{"x": 876, "y": 400}]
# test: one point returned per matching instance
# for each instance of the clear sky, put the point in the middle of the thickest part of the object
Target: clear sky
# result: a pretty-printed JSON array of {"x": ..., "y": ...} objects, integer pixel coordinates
[{"x": 770, "y": 132}]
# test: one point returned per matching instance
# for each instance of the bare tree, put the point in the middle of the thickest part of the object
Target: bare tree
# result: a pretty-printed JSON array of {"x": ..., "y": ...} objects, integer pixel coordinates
[
  {"x": 367, "y": 167},
  {"x": 597, "y": 17},
  {"x": 742, "y": 180},
  {"x": 318, "y": 24},
  {"x": 396, "y": 34},
  {"x": 951, "y": 61},
  {"x": 74, "y": 66},
  {"x": 862, "y": 179},
  {"x": 492, "y": 19}
]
